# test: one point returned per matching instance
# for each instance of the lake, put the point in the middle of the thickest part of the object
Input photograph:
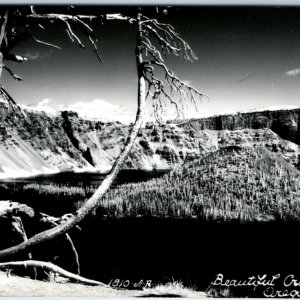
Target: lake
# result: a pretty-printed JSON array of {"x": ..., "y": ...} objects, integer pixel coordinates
[
  {"x": 87, "y": 178},
  {"x": 29, "y": 191}
]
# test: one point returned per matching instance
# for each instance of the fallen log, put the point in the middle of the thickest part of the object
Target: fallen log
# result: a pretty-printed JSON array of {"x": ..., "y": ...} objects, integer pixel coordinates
[{"x": 52, "y": 268}]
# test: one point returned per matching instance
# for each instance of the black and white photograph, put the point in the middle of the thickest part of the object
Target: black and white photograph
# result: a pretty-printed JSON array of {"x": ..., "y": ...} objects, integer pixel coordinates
[{"x": 149, "y": 150}]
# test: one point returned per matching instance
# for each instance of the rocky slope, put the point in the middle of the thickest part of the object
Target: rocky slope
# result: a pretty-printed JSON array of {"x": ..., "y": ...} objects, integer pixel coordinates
[
  {"x": 234, "y": 183},
  {"x": 34, "y": 142}
]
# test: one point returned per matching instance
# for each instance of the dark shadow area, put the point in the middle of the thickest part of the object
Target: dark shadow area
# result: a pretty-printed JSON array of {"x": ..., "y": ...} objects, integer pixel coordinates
[{"x": 187, "y": 251}]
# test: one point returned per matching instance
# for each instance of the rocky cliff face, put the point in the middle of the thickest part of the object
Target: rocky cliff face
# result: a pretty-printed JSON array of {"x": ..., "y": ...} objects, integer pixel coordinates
[
  {"x": 34, "y": 142},
  {"x": 286, "y": 123}
]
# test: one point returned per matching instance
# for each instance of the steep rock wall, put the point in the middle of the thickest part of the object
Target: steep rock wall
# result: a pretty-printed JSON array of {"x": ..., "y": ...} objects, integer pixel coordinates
[{"x": 35, "y": 142}]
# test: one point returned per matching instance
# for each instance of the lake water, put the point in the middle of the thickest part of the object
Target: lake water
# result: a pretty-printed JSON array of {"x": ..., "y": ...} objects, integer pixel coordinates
[
  {"x": 88, "y": 178},
  {"x": 59, "y": 204}
]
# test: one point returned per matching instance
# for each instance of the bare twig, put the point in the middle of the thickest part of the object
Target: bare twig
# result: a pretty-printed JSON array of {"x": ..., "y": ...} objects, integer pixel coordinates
[
  {"x": 175, "y": 79},
  {"x": 95, "y": 48},
  {"x": 42, "y": 42},
  {"x": 120, "y": 17},
  {"x": 89, "y": 29},
  {"x": 72, "y": 35},
  {"x": 32, "y": 10},
  {"x": 3, "y": 28},
  {"x": 53, "y": 221},
  {"x": 170, "y": 40},
  {"x": 153, "y": 51},
  {"x": 16, "y": 77},
  {"x": 16, "y": 58}
]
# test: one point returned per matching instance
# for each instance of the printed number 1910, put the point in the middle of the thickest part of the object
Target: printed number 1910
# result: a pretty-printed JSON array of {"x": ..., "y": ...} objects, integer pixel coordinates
[{"x": 118, "y": 283}]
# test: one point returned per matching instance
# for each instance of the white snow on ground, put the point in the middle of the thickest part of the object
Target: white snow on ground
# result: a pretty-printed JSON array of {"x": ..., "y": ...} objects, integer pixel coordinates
[
  {"x": 95, "y": 110},
  {"x": 22, "y": 161},
  {"x": 39, "y": 108},
  {"x": 273, "y": 108},
  {"x": 235, "y": 112}
]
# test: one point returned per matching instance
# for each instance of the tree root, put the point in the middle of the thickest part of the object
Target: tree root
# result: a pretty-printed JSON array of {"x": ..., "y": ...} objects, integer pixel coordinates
[{"x": 52, "y": 268}]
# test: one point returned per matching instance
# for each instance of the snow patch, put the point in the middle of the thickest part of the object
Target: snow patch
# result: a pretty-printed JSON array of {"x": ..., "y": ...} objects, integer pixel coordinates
[{"x": 95, "y": 110}]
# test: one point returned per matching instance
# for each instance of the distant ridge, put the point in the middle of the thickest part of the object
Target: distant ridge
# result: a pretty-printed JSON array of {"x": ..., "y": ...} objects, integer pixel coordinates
[{"x": 36, "y": 142}]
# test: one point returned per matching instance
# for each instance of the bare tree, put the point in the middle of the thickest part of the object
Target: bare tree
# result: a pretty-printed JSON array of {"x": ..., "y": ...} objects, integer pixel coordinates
[{"x": 154, "y": 42}]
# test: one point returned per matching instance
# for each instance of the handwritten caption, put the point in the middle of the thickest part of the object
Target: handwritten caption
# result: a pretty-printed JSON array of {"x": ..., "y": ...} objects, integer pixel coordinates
[
  {"x": 128, "y": 284},
  {"x": 274, "y": 286}
]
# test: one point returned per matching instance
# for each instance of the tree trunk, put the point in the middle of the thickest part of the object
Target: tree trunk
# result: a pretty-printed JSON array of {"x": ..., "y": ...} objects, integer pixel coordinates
[
  {"x": 94, "y": 202},
  {"x": 2, "y": 40},
  {"x": 18, "y": 227}
]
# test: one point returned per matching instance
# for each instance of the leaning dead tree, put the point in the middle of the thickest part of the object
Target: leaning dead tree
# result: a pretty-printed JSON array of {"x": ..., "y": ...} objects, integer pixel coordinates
[{"x": 156, "y": 83}]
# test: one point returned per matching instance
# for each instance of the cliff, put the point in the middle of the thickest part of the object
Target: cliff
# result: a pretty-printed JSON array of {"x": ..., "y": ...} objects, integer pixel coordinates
[
  {"x": 286, "y": 123},
  {"x": 33, "y": 142}
]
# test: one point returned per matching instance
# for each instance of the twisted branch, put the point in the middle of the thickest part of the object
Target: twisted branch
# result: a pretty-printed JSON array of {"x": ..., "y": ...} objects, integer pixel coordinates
[
  {"x": 54, "y": 222},
  {"x": 169, "y": 39},
  {"x": 16, "y": 77},
  {"x": 52, "y": 268},
  {"x": 41, "y": 42},
  {"x": 174, "y": 90}
]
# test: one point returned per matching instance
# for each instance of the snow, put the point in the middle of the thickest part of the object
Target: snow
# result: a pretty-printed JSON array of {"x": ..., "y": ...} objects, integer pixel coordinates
[
  {"x": 259, "y": 109},
  {"x": 234, "y": 112},
  {"x": 273, "y": 108},
  {"x": 47, "y": 110},
  {"x": 22, "y": 161},
  {"x": 95, "y": 110},
  {"x": 19, "y": 173}
]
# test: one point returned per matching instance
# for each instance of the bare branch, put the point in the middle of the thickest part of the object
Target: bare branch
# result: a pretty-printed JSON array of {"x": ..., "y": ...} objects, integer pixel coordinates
[
  {"x": 3, "y": 28},
  {"x": 163, "y": 41},
  {"x": 53, "y": 16},
  {"x": 175, "y": 91},
  {"x": 178, "y": 83},
  {"x": 72, "y": 35},
  {"x": 15, "y": 57},
  {"x": 84, "y": 24},
  {"x": 95, "y": 48},
  {"x": 42, "y": 42},
  {"x": 154, "y": 52},
  {"x": 53, "y": 268},
  {"x": 120, "y": 17},
  {"x": 32, "y": 9},
  {"x": 16, "y": 77},
  {"x": 60, "y": 17},
  {"x": 53, "y": 222},
  {"x": 80, "y": 19},
  {"x": 171, "y": 41},
  {"x": 154, "y": 21}
]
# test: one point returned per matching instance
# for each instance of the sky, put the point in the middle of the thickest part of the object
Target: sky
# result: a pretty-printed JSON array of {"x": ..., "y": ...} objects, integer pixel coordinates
[{"x": 248, "y": 58}]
